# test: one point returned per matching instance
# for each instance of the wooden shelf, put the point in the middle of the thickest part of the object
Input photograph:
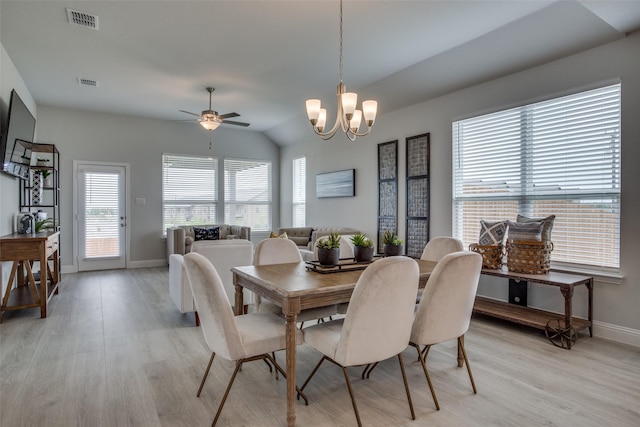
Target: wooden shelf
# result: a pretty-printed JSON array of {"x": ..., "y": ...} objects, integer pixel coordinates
[
  {"x": 522, "y": 315},
  {"x": 21, "y": 297}
]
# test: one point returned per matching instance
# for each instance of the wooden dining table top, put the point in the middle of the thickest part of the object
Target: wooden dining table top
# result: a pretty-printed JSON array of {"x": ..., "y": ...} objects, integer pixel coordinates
[{"x": 314, "y": 289}]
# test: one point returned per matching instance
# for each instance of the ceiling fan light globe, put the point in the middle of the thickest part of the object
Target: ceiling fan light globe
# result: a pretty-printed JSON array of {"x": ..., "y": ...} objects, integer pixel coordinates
[{"x": 210, "y": 124}]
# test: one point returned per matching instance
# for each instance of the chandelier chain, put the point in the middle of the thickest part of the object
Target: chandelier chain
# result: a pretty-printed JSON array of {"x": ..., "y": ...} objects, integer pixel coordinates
[{"x": 340, "y": 41}]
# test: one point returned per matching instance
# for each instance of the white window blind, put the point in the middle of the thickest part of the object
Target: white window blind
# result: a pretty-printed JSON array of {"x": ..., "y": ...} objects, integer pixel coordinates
[
  {"x": 247, "y": 193},
  {"x": 189, "y": 193},
  {"x": 102, "y": 207},
  {"x": 299, "y": 196},
  {"x": 560, "y": 156}
]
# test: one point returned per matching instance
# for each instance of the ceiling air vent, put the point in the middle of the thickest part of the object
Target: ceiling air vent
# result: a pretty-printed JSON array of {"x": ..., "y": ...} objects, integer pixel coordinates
[
  {"x": 87, "y": 82},
  {"x": 83, "y": 19}
]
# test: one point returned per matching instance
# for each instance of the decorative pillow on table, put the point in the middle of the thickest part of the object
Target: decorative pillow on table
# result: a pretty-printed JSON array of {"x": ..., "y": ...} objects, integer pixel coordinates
[
  {"x": 492, "y": 233},
  {"x": 275, "y": 235},
  {"x": 212, "y": 233},
  {"x": 548, "y": 225},
  {"x": 531, "y": 231}
]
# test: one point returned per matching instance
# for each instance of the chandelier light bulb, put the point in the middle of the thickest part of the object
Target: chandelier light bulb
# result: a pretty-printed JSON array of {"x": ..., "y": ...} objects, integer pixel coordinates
[
  {"x": 370, "y": 110},
  {"x": 349, "y": 101},
  {"x": 322, "y": 119},
  {"x": 313, "y": 110},
  {"x": 354, "y": 123}
]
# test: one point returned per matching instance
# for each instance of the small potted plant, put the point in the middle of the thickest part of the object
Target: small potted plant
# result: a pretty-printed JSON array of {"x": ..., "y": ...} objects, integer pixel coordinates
[
  {"x": 392, "y": 245},
  {"x": 362, "y": 247},
  {"x": 47, "y": 177},
  {"x": 44, "y": 224},
  {"x": 329, "y": 250}
]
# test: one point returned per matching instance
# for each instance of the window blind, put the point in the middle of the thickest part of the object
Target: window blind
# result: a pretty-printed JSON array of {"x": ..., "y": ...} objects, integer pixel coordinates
[
  {"x": 189, "y": 193},
  {"x": 299, "y": 196},
  {"x": 561, "y": 157},
  {"x": 102, "y": 222},
  {"x": 247, "y": 193}
]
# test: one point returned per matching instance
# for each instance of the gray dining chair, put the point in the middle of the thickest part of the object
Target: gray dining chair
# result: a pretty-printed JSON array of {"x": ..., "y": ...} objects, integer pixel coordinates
[
  {"x": 236, "y": 338},
  {"x": 377, "y": 323},
  {"x": 444, "y": 313}
]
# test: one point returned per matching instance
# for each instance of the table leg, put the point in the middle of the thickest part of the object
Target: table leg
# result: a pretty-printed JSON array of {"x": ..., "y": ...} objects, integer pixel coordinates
[
  {"x": 239, "y": 297},
  {"x": 291, "y": 330},
  {"x": 44, "y": 294},
  {"x": 567, "y": 293},
  {"x": 590, "y": 308}
]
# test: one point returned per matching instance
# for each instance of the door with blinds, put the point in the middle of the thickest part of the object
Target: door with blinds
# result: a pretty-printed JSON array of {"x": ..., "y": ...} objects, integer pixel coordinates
[{"x": 101, "y": 220}]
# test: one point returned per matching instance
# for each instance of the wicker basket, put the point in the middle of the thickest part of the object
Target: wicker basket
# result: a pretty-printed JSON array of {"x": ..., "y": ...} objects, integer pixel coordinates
[
  {"x": 491, "y": 255},
  {"x": 529, "y": 257}
]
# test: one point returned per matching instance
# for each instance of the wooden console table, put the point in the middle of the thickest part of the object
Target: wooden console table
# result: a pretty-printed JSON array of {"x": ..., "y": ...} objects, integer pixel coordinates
[
  {"x": 23, "y": 250},
  {"x": 560, "y": 329}
]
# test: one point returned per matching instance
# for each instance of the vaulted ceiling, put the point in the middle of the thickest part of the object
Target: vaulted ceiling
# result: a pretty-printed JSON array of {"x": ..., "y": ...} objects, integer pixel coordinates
[{"x": 153, "y": 58}]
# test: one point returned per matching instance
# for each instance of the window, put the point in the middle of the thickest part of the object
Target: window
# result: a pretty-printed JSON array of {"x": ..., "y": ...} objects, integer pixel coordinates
[
  {"x": 299, "y": 191},
  {"x": 189, "y": 193},
  {"x": 247, "y": 193},
  {"x": 560, "y": 157}
]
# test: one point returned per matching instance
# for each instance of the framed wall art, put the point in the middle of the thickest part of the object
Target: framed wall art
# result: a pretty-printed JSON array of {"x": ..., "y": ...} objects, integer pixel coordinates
[
  {"x": 417, "y": 194},
  {"x": 336, "y": 184},
  {"x": 387, "y": 189}
]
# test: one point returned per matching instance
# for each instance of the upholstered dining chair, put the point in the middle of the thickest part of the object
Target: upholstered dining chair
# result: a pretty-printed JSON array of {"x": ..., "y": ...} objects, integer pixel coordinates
[
  {"x": 283, "y": 251},
  {"x": 236, "y": 338},
  {"x": 444, "y": 313},
  {"x": 437, "y": 248},
  {"x": 377, "y": 324}
]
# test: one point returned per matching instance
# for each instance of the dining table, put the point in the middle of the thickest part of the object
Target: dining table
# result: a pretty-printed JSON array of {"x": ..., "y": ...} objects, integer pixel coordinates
[{"x": 300, "y": 286}]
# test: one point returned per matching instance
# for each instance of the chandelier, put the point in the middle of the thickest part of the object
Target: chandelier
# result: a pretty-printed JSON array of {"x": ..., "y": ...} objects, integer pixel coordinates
[{"x": 348, "y": 118}]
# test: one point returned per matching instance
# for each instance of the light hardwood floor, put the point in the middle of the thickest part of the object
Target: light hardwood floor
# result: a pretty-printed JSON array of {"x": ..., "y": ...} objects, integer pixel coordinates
[{"x": 114, "y": 351}]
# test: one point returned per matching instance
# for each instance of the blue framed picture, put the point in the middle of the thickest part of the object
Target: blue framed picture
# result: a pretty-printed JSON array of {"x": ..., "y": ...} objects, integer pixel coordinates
[{"x": 336, "y": 184}]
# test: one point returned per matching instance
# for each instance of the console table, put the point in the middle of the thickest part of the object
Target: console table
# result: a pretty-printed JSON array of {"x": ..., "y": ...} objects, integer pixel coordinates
[
  {"x": 23, "y": 250},
  {"x": 560, "y": 329}
]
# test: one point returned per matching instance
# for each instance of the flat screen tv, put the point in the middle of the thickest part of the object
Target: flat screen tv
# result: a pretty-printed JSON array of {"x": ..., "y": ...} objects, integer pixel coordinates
[{"x": 15, "y": 151}]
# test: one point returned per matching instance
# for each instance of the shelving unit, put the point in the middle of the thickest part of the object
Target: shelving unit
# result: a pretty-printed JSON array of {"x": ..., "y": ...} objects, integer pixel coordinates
[{"x": 50, "y": 194}]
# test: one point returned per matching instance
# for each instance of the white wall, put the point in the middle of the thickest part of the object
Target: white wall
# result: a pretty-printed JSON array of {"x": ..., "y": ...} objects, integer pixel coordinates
[
  {"x": 89, "y": 136},
  {"x": 615, "y": 305},
  {"x": 9, "y": 79}
]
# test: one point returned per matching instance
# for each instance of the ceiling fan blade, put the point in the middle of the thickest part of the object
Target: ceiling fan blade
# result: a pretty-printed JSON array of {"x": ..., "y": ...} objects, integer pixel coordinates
[
  {"x": 189, "y": 112},
  {"x": 229, "y": 115},
  {"x": 231, "y": 122}
]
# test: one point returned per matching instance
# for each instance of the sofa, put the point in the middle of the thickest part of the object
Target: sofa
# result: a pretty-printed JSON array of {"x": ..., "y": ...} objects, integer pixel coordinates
[
  {"x": 223, "y": 254},
  {"x": 180, "y": 239},
  {"x": 311, "y": 235}
]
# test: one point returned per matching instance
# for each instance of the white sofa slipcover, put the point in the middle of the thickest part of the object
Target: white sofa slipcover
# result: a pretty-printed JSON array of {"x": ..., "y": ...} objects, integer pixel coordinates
[
  {"x": 180, "y": 239},
  {"x": 223, "y": 254}
]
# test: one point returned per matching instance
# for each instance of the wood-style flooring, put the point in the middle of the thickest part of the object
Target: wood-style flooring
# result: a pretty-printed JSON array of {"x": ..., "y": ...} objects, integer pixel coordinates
[{"x": 115, "y": 351}]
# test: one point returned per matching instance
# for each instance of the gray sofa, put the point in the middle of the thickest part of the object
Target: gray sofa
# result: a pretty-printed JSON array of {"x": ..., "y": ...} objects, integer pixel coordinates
[
  {"x": 310, "y": 235},
  {"x": 180, "y": 239}
]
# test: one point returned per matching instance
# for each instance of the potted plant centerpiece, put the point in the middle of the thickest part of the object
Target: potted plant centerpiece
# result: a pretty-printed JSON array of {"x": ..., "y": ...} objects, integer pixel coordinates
[
  {"x": 362, "y": 247},
  {"x": 329, "y": 250},
  {"x": 392, "y": 244}
]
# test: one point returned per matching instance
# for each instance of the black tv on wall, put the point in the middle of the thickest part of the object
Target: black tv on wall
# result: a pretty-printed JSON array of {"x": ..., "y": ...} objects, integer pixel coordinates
[{"x": 15, "y": 151}]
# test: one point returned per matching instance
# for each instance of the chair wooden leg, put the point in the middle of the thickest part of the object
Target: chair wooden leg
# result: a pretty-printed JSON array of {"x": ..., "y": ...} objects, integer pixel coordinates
[
  {"x": 353, "y": 399},
  {"x": 273, "y": 354},
  {"x": 466, "y": 362},
  {"x": 206, "y": 373},
  {"x": 426, "y": 373},
  {"x": 226, "y": 393},
  {"x": 406, "y": 386}
]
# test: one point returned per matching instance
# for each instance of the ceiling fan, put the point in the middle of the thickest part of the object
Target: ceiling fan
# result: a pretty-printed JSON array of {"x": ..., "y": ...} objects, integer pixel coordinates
[{"x": 210, "y": 120}]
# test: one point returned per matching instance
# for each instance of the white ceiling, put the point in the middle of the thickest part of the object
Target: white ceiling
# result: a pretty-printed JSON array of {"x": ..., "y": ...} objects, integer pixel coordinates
[{"x": 153, "y": 58}]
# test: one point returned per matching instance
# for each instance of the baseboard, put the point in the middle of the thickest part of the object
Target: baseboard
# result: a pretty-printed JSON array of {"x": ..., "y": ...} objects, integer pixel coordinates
[
  {"x": 147, "y": 263},
  {"x": 66, "y": 269},
  {"x": 615, "y": 333}
]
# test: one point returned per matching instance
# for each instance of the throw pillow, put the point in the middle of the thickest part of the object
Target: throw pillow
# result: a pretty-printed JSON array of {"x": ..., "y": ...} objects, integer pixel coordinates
[
  {"x": 212, "y": 233},
  {"x": 274, "y": 235},
  {"x": 548, "y": 225},
  {"x": 492, "y": 233},
  {"x": 531, "y": 231}
]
